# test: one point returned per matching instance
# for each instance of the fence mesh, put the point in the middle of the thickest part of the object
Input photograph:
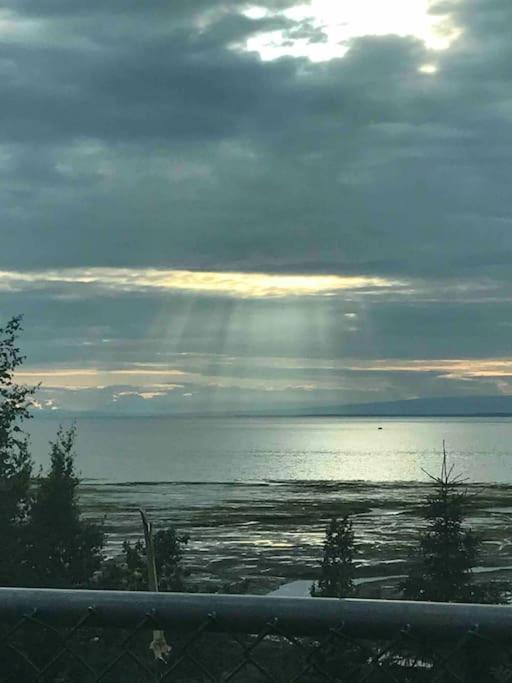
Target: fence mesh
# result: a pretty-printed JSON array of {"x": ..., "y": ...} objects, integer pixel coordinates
[{"x": 34, "y": 650}]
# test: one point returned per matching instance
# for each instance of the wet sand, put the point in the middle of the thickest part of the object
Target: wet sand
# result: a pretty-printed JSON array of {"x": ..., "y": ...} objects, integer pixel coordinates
[{"x": 270, "y": 533}]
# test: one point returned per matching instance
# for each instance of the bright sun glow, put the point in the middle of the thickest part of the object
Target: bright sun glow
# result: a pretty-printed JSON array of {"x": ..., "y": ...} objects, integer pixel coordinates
[
  {"x": 158, "y": 378},
  {"x": 338, "y": 22},
  {"x": 242, "y": 285},
  {"x": 466, "y": 369},
  {"x": 428, "y": 69}
]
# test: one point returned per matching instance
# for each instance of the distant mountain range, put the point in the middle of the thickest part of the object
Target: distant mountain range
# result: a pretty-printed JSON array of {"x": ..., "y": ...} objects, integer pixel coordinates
[
  {"x": 445, "y": 406},
  {"x": 442, "y": 406}
]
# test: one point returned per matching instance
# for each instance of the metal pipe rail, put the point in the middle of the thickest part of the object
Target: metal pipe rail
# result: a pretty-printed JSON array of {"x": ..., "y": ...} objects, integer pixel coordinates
[{"x": 367, "y": 619}]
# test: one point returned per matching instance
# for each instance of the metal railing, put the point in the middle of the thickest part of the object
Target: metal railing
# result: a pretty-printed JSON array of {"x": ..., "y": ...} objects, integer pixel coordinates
[{"x": 61, "y": 635}]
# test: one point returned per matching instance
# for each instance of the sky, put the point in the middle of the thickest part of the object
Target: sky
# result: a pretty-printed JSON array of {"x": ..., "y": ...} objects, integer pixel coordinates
[{"x": 213, "y": 205}]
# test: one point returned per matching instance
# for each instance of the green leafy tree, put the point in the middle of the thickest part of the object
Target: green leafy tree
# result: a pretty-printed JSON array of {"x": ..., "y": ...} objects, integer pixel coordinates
[
  {"x": 441, "y": 566},
  {"x": 15, "y": 460},
  {"x": 129, "y": 570},
  {"x": 64, "y": 550},
  {"x": 338, "y": 568}
]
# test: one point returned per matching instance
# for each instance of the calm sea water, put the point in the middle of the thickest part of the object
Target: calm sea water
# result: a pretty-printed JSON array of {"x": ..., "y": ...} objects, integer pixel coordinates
[{"x": 284, "y": 449}]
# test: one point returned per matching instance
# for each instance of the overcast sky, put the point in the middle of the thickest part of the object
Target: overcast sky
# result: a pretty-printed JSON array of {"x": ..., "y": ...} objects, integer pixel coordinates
[{"x": 210, "y": 204}]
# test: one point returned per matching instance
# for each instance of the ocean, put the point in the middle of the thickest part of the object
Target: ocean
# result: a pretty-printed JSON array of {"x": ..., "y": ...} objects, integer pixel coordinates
[
  {"x": 255, "y": 494},
  {"x": 283, "y": 449}
]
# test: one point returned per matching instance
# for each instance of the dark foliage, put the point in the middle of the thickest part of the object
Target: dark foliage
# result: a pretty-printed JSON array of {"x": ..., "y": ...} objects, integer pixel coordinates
[
  {"x": 447, "y": 550},
  {"x": 130, "y": 572},
  {"x": 44, "y": 540},
  {"x": 15, "y": 460},
  {"x": 64, "y": 551},
  {"x": 337, "y": 569}
]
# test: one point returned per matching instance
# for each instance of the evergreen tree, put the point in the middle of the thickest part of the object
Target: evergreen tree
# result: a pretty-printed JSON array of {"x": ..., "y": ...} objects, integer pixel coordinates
[
  {"x": 64, "y": 550},
  {"x": 15, "y": 460},
  {"x": 338, "y": 568},
  {"x": 442, "y": 564}
]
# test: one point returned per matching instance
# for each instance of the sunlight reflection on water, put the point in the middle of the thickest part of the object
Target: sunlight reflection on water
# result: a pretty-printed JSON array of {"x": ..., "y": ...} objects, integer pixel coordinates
[{"x": 242, "y": 449}]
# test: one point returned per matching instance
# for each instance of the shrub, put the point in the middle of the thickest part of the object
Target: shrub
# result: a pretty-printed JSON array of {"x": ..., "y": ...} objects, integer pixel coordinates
[{"x": 129, "y": 571}]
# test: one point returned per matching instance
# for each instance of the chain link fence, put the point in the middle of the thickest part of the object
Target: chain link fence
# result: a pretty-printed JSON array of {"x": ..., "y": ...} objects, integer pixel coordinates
[{"x": 75, "y": 636}]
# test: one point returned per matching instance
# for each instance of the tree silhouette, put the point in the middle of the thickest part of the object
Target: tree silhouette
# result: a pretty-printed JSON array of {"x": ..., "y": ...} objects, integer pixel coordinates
[
  {"x": 447, "y": 551},
  {"x": 63, "y": 550},
  {"x": 15, "y": 460},
  {"x": 129, "y": 571},
  {"x": 337, "y": 569}
]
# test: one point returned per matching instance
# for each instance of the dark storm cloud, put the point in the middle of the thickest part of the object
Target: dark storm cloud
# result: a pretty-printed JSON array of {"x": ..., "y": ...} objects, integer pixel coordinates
[
  {"x": 206, "y": 157},
  {"x": 179, "y": 8},
  {"x": 164, "y": 88}
]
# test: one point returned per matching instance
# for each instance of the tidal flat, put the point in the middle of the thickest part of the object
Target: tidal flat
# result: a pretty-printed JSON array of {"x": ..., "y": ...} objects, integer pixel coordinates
[{"x": 269, "y": 533}]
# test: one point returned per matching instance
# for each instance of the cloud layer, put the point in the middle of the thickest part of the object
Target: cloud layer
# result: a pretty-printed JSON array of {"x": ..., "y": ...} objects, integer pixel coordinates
[{"x": 147, "y": 145}]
